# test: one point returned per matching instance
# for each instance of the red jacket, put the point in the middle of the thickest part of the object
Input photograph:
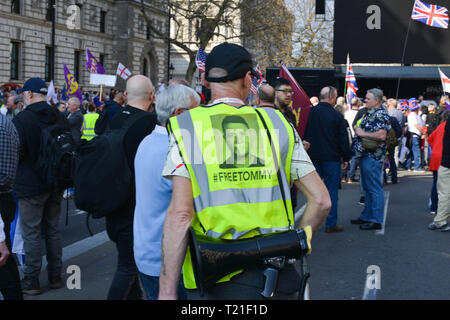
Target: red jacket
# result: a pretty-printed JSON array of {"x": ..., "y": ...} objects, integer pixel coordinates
[{"x": 436, "y": 140}]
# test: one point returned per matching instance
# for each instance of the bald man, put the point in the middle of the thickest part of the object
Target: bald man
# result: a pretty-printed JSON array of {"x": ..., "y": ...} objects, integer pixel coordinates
[
  {"x": 119, "y": 225},
  {"x": 266, "y": 96},
  {"x": 327, "y": 133}
]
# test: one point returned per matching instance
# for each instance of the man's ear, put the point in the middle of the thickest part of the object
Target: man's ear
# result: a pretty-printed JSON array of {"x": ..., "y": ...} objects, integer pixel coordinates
[{"x": 205, "y": 82}]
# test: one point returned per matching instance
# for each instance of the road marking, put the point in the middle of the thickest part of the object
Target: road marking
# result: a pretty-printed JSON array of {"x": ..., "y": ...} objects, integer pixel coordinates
[
  {"x": 80, "y": 247},
  {"x": 386, "y": 203},
  {"x": 78, "y": 212}
]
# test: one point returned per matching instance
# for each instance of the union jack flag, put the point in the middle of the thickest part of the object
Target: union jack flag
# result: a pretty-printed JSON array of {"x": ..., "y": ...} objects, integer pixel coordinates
[
  {"x": 255, "y": 85},
  {"x": 430, "y": 14},
  {"x": 200, "y": 59},
  {"x": 350, "y": 78},
  {"x": 259, "y": 72}
]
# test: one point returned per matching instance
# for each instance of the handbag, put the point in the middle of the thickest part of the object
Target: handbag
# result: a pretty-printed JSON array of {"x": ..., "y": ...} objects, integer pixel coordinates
[{"x": 370, "y": 145}]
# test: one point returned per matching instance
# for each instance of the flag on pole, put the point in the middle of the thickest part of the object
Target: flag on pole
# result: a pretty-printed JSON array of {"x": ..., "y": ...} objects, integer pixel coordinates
[
  {"x": 254, "y": 87},
  {"x": 430, "y": 14},
  {"x": 123, "y": 72},
  {"x": 200, "y": 59},
  {"x": 51, "y": 94},
  {"x": 445, "y": 82},
  {"x": 92, "y": 65},
  {"x": 301, "y": 105},
  {"x": 350, "y": 80},
  {"x": 71, "y": 85},
  {"x": 259, "y": 72}
]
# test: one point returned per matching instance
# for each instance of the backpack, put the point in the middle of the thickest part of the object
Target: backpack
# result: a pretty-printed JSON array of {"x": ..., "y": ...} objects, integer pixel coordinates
[
  {"x": 102, "y": 174},
  {"x": 56, "y": 157},
  {"x": 394, "y": 134}
]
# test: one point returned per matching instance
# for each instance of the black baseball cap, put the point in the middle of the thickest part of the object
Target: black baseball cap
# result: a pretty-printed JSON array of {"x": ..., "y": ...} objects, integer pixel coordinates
[
  {"x": 232, "y": 58},
  {"x": 34, "y": 85}
]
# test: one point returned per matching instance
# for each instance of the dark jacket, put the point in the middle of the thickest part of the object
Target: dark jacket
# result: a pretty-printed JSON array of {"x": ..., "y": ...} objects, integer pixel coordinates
[
  {"x": 28, "y": 182},
  {"x": 76, "y": 122},
  {"x": 135, "y": 134},
  {"x": 446, "y": 149},
  {"x": 110, "y": 110},
  {"x": 326, "y": 131}
]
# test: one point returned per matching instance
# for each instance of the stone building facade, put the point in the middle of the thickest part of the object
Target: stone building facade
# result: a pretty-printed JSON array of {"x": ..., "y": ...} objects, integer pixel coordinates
[{"x": 114, "y": 31}]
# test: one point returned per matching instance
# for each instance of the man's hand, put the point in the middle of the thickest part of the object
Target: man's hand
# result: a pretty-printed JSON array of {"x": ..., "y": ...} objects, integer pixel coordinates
[
  {"x": 345, "y": 165},
  {"x": 306, "y": 145},
  {"x": 4, "y": 253}
]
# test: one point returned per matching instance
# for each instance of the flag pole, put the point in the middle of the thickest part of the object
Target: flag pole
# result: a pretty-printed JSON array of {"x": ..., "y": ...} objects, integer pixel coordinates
[
  {"x": 404, "y": 52},
  {"x": 345, "y": 79}
]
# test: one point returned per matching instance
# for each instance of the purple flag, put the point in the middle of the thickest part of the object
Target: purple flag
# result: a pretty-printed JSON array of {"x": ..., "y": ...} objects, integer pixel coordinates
[
  {"x": 72, "y": 89},
  {"x": 447, "y": 105},
  {"x": 92, "y": 65}
]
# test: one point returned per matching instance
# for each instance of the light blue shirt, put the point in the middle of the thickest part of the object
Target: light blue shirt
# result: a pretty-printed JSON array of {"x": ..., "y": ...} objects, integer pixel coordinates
[{"x": 153, "y": 195}]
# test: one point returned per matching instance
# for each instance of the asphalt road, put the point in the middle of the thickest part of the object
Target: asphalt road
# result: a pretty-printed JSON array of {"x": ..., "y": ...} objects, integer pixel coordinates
[{"x": 410, "y": 261}]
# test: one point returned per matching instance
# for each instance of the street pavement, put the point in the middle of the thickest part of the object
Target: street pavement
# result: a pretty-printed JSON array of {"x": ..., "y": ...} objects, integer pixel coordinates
[{"x": 405, "y": 260}]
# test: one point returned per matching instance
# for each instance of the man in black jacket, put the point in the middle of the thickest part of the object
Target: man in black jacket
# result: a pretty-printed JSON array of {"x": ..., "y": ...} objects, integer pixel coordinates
[
  {"x": 40, "y": 206},
  {"x": 119, "y": 224},
  {"x": 110, "y": 110},
  {"x": 326, "y": 132}
]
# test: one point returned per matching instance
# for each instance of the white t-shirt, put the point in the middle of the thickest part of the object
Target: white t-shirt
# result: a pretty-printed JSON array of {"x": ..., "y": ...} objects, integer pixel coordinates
[
  {"x": 350, "y": 117},
  {"x": 414, "y": 119}
]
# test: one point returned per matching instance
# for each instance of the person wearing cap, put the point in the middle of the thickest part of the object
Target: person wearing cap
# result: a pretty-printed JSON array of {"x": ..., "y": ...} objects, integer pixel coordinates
[
  {"x": 40, "y": 206},
  {"x": 233, "y": 202},
  {"x": 417, "y": 132}
]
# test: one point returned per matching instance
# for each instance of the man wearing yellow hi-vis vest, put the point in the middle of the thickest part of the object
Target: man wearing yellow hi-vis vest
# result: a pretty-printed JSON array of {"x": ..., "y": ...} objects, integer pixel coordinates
[
  {"x": 231, "y": 166},
  {"x": 90, "y": 118}
]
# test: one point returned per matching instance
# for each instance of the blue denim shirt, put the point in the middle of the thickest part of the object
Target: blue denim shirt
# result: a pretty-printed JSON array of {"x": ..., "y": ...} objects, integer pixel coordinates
[{"x": 375, "y": 120}]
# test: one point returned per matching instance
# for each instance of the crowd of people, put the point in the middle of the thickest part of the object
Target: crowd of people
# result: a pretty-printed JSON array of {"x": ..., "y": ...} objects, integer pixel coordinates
[{"x": 170, "y": 190}]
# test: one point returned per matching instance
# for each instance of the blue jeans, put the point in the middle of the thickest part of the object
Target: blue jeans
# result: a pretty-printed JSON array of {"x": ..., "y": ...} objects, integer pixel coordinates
[
  {"x": 434, "y": 194},
  {"x": 353, "y": 165},
  {"x": 415, "y": 148},
  {"x": 330, "y": 172},
  {"x": 371, "y": 170},
  {"x": 392, "y": 167},
  {"x": 151, "y": 287}
]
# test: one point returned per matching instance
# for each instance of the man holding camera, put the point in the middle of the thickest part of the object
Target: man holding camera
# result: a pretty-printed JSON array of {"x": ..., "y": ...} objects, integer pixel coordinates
[{"x": 234, "y": 202}]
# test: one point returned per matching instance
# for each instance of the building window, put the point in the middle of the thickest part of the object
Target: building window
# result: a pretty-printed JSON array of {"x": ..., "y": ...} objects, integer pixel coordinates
[
  {"x": 148, "y": 33},
  {"x": 14, "y": 52},
  {"x": 48, "y": 63},
  {"x": 49, "y": 13},
  {"x": 15, "y": 6},
  {"x": 76, "y": 65},
  {"x": 102, "y": 60},
  {"x": 103, "y": 21},
  {"x": 145, "y": 67}
]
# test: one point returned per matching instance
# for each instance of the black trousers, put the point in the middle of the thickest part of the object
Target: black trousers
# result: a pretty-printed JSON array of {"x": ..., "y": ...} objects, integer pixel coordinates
[
  {"x": 9, "y": 274},
  {"x": 125, "y": 284}
]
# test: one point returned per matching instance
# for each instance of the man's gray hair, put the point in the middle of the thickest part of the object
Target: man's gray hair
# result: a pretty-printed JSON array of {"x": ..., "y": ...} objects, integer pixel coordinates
[
  {"x": 377, "y": 94},
  {"x": 75, "y": 101},
  {"x": 177, "y": 96}
]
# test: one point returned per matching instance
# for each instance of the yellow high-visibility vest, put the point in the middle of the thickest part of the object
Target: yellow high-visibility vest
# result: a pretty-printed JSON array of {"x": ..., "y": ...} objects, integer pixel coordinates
[
  {"x": 89, "y": 125},
  {"x": 236, "y": 190}
]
